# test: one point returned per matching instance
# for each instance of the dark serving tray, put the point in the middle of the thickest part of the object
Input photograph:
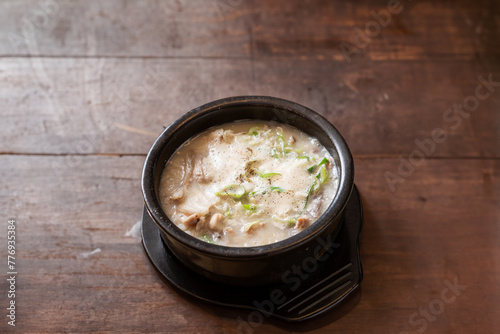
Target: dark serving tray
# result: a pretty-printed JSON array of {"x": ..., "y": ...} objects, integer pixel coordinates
[{"x": 308, "y": 291}]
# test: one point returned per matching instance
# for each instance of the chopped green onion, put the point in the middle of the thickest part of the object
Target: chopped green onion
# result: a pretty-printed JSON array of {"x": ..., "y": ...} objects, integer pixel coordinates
[
  {"x": 248, "y": 227},
  {"x": 249, "y": 207},
  {"x": 254, "y": 131},
  {"x": 309, "y": 194},
  {"x": 207, "y": 238},
  {"x": 316, "y": 187},
  {"x": 274, "y": 154},
  {"x": 278, "y": 189},
  {"x": 233, "y": 190},
  {"x": 266, "y": 175},
  {"x": 313, "y": 167},
  {"x": 228, "y": 214},
  {"x": 304, "y": 157},
  {"x": 290, "y": 222},
  {"x": 297, "y": 150},
  {"x": 324, "y": 161},
  {"x": 283, "y": 151},
  {"x": 322, "y": 175}
]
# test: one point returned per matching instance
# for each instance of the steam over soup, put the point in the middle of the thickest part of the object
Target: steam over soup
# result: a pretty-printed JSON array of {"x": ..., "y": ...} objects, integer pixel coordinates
[{"x": 248, "y": 183}]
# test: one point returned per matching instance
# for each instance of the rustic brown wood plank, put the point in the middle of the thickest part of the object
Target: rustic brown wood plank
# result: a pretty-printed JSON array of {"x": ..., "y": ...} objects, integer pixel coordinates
[
  {"x": 440, "y": 224},
  {"x": 100, "y": 80},
  {"x": 121, "y": 28},
  {"x": 258, "y": 28},
  {"x": 119, "y": 106},
  {"x": 411, "y": 31},
  {"x": 107, "y": 106}
]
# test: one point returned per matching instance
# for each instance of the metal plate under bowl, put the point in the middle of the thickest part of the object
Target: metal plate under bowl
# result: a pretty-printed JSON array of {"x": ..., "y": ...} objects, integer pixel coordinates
[{"x": 307, "y": 290}]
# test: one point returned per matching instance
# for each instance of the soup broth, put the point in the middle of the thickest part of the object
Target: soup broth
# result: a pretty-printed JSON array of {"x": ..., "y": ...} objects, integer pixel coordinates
[{"x": 248, "y": 183}]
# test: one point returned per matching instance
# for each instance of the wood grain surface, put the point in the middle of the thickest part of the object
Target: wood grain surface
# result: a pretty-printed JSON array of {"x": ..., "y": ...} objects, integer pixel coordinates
[{"x": 87, "y": 86}]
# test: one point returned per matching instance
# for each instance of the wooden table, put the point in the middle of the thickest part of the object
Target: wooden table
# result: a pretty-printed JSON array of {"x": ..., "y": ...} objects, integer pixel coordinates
[{"x": 86, "y": 86}]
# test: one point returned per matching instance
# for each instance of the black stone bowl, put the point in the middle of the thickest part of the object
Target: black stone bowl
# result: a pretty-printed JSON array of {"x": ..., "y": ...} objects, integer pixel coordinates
[{"x": 248, "y": 265}]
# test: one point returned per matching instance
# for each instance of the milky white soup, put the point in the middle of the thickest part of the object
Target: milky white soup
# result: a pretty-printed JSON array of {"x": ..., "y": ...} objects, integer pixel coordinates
[{"x": 248, "y": 183}]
